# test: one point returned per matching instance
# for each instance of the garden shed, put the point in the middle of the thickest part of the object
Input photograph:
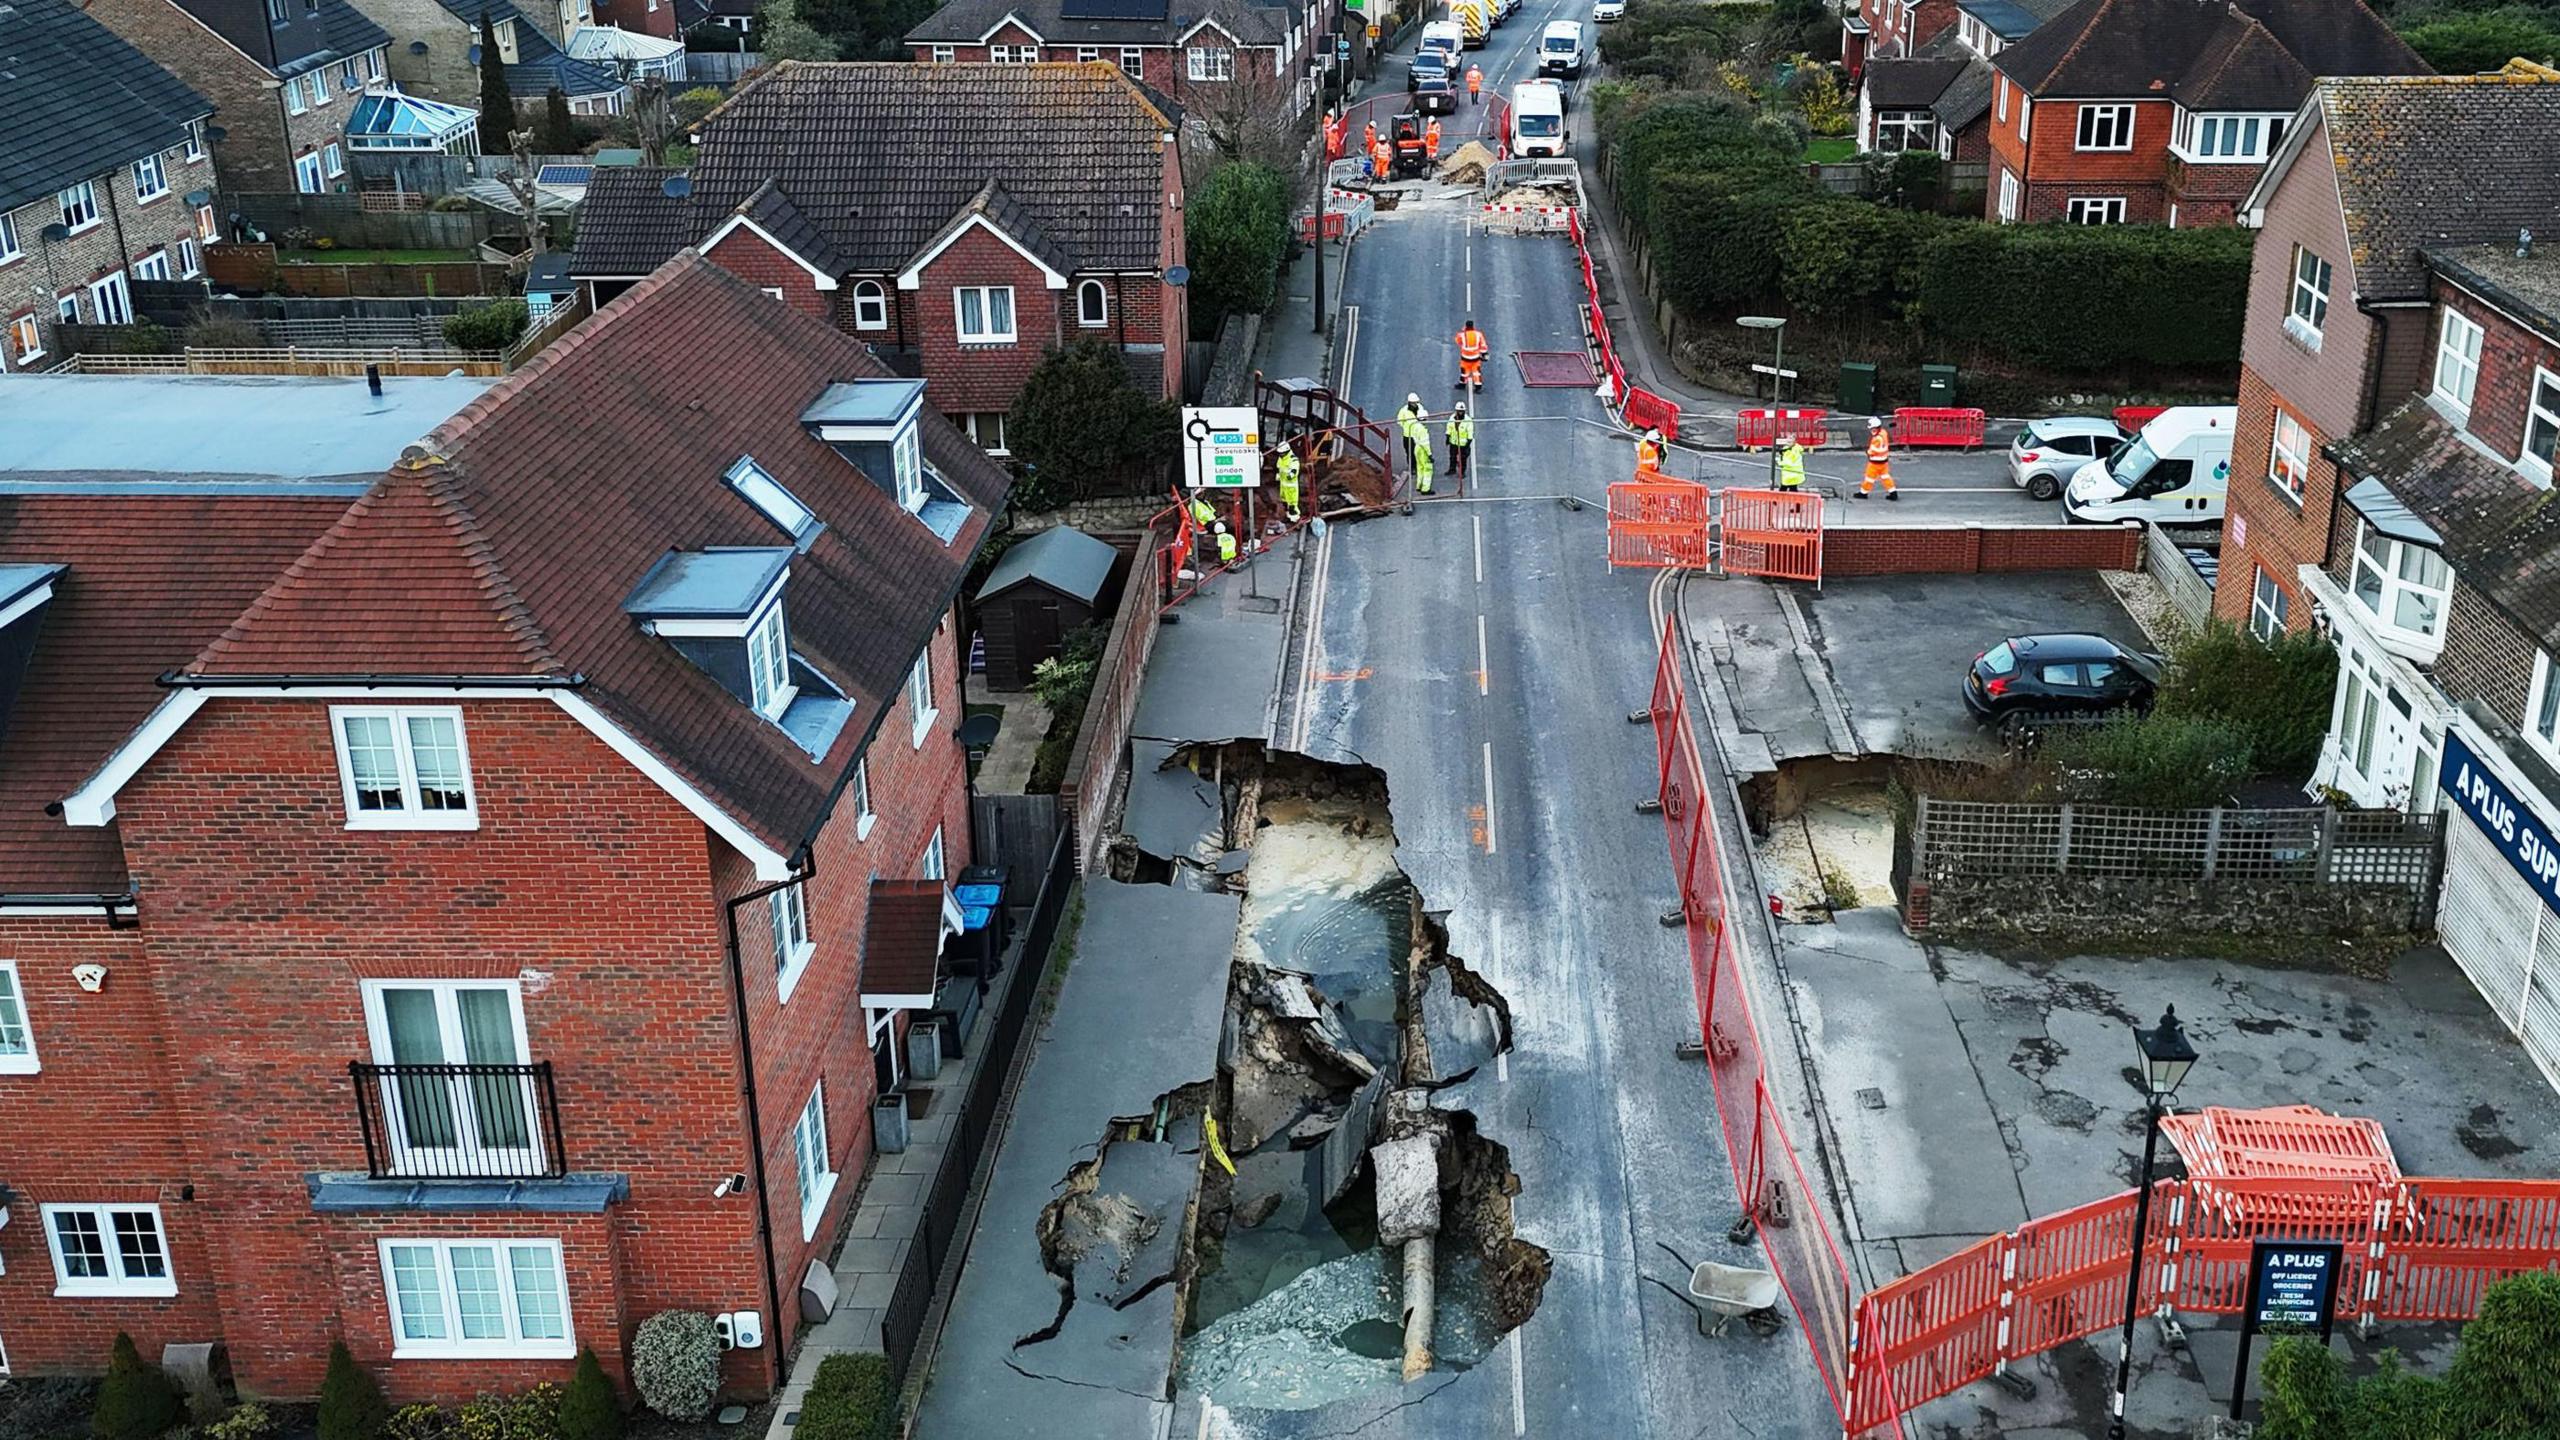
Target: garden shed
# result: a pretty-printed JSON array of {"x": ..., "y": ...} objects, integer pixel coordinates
[{"x": 1038, "y": 592}]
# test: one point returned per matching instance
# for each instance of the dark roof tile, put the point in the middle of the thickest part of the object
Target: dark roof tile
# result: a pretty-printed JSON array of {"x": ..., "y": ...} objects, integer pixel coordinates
[
  {"x": 2149, "y": 49},
  {"x": 629, "y": 224},
  {"x": 77, "y": 101},
  {"x": 2434, "y": 161},
  {"x": 1910, "y": 84},
  {"x": 902, "y": 937},
  {"x": 1081, "y": 22},
  {"x": 2501, "y": 531}
]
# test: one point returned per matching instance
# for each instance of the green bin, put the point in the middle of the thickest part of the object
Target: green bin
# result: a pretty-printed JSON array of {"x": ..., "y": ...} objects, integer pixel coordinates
[
  {"x": 1857, "y": 388},
  {"x": 1937, "y": 385}
]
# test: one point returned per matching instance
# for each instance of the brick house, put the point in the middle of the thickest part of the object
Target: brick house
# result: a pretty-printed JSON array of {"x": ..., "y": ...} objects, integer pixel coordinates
[
  {"x": 1222, "y": 61},
  {"x": 282, "y": 75},
  {"x": 107, "y": 178},
  {"x": 2152, "y": 112},
  {"x": 488, "y": 859},
  {"x": 960, "y": 219},
  {"x": 1930, "y": 88},
  {"x": 436, "y": 51}
]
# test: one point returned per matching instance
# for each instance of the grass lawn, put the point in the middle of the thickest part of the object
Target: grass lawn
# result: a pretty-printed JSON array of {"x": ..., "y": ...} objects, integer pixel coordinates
[
  {"x": 374, "y": 257},
  {"x": 1831, "y": 150}
]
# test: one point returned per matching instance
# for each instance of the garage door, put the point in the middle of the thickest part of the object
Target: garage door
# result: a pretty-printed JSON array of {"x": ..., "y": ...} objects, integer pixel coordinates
[
  {"x": 2487, "y": 917},
  {"x": 2540, "y": 1029}
]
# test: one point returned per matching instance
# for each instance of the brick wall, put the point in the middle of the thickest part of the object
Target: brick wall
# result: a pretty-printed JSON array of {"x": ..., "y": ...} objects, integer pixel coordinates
[
  {"x": 2264, "y": 528},
  {"x": 2509, "y": 355},
  {"x": 1972, "y": 549},
  {"x": 2486, "y": 658},
  {"x": 2053, "y": 134},
  {"x": 445, "y": 72},
  {"x": 2326, "y": 385},
  {"x": 2144, "y": 203},
  {"x": 2207, "y": 194},
  {"x": 252, "y": 154},
  {"x": 756, "y": 260},
  {"x": 127, "y": 231},
  {"x": 963, "y": 378}
]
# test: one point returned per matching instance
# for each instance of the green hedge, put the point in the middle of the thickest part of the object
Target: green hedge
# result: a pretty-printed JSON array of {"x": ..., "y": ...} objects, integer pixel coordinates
[
  {"x": 853, "y": 1397},
  {"x": 1235, "y": 233},
  {"x": 2087, "y": 296}
]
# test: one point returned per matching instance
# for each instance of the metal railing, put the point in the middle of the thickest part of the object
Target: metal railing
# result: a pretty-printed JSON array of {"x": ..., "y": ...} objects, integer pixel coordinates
[
  {"x": 459, "y": 1122},
  {"x": 2312, "y": 845},
  {"x": 289, "y": 360}
]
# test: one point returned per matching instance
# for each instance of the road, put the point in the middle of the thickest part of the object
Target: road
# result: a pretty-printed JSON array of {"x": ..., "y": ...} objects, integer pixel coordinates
[{"x": 1496, "y": 659}]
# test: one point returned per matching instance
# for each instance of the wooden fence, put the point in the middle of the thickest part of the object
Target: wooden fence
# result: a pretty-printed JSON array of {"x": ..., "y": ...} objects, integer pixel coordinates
[
  {"x": 2188, "y": 590},
  {"x": 256, "y": 268},
  {"x": 290, "y": 360},
  {"x": 562, "y": 319},
  {"x": 352, "y": 221},
  {"x": 1014, "y": 831}
]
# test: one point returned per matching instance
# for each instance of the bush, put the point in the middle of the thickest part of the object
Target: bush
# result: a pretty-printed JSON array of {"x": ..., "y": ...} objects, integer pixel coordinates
[
  {"x": 1843, "y": 259},
  {"x": 418, "y": 1422},
  {"x": 853, "y": 1397},
  {"x": 247, "y": 1421},
  {"x": 1081, "y": 424},
  {"x": 137, "y": 1400},
  {"x": 2486, "y": 40},
  {"x": 2157, "y": 761},
  {"x": 1235, "y": 233},
  {"x": 533, "y": 1415},
  {"x": 2305, "y": 1390},
  {"x": 690, "y": 106},
  {"x": 351, "y": 1403},
  {"x": 2275, "y": 695},
  {"x": 675, "y": 1364},
  {"x": 2166, "y": 297},
  {"x": 1065, "y": 681},
  {"x": 2506, "y": 1376},
  {"x": 590, "y": 1409},
  {"x": 2505, "y": 1383},
  {"x": 47, "y": 1407},
  {"x": 493, "y": 326},
  {"x": 209, "y": 331}
]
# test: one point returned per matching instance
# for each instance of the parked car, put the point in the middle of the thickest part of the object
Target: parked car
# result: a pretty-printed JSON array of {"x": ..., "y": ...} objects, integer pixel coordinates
[
  {"x": 2176, "y": 472},
  {"x": 2033, "y": 677},
  {"x": 1433, "y": 94},
  {"x": 1604, "y": 12},
  {"x": 2047, "y": 453},
  {"x": 1504, "y": 9},
  {"x": 1426, "y": 62}
]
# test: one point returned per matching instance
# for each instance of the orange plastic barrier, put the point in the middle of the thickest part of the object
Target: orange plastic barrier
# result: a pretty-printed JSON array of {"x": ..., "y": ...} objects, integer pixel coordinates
[
  {"x": 1648, "y": 411},
  {"x": 1658, "y": 524},
  {"x": 2130, "y": 418},
  {"x": 1759, "y": 429},
  {"x": 1923, "y": 425},
  {"x": 1774, "y": 533}
]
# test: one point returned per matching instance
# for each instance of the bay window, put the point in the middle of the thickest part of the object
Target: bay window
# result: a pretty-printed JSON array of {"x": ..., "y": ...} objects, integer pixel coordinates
[{"x": 2403, "y": 586}]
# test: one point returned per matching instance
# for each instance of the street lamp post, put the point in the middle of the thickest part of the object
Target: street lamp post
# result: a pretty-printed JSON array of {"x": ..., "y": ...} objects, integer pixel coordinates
[
  {"x": 1776, "y": 325},
  {"x": 2166, "y": 1059}
]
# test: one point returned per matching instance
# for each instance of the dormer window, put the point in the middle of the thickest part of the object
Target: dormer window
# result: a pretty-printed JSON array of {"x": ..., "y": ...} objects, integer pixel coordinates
[
  {"x": 910, "y": 465},
  {"x": 769, "y": 684},
  {"x": 874, "y": 424},
  {"x": 723, "y": 609},
  {"x": 772, "y": 501}
]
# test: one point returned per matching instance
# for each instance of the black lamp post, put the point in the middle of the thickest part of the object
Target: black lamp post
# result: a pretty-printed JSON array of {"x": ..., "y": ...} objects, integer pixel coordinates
[{"x": 2166, "y": 1059}]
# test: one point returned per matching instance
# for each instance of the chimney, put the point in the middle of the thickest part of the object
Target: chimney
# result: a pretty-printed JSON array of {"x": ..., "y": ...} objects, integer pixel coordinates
[
  {"x": 373, "y": 380},
  {"x": 2524, "y": 244}
]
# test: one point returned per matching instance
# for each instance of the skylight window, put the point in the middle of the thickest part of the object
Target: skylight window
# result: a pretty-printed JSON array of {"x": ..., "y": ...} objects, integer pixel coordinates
[{"x": 775, "y": 503}]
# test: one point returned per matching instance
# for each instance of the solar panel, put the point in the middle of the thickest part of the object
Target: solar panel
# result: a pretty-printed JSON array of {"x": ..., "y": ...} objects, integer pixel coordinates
[
  {"x": 564, "y": 174},
  {"x": 1113, "y": 9}
]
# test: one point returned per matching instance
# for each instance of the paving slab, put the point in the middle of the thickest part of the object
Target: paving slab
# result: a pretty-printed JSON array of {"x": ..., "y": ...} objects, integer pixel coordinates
[
  {"x": 1173, "y": 812},
  {"x": 1211, "y": 673},
  {"x": 1139, "y": 1015}
]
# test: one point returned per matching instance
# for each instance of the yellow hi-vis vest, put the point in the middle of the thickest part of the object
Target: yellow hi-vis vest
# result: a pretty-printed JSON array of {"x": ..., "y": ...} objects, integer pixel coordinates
[{"x": 1790, "y": 466}]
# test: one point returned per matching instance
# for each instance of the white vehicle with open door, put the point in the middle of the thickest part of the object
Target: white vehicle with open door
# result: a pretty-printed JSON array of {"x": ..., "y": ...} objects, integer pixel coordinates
[{"x": 2176, "y": 472}]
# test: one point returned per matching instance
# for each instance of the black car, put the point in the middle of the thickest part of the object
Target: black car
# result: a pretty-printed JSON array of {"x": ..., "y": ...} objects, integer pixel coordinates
[
  {"x": 1432, "y": 94},
  {"x": 1426, "y": 63},
  {"x": 2026, "y": 678}
]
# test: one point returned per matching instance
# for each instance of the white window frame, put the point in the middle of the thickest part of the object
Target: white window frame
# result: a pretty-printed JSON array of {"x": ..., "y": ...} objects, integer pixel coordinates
[
  {"x": 333, "y": 161},
  {"x": 986, "y": 333},
  {"x": 1133, "y": 60},
  {"x": 9, "y": 248},
  {"x": 1209, "y": 64},
  {"x": 2457, "y": 370},
  {"x": 2307, "y": 303},
  {"x": 294, "y": 103},
  {"x": 2001, "y": 87},
  {"x": 190, "y": 257},
  {"x": 1900, "y": 130},
  {"x": 2094, "y": 210},
  {"x": 78, "y": 199},
  {"x": 979, "y": 422},
  {"x": 920, "y": 711},
  {"x": 870, "y": 305},
  {"x": 208, "y": 225},
  {"x": 468, "y": 1149},
  {"x": 373, "y": 58},
  {"x": 907, "y": 462},
  {"x": 120, "y": 1283},
  {"x": 2384, "y": 609},
  {"x": 413, "y": 815},
  {"x": 158, "y": 170},
  {"x": 787, "y": 913},
  {"x": 2541, "y": 411},
  {"x": 809, "y": 1148},
  {"x": 2541, "y": 736},
  {"x": 1100, "y": 314},
  {"x": 193, "y": 149},
  {"x": 864, "y": 817},
  {"x": 2008, "y": 196},
  {"x": 2281, "y": 455},
  {"x": 2104, "y": 127},
  {"x": 775, "y": 503},
  {"x": 14, "y": 1016},
  {"x": 944, "y": 55},
  {"x": 307, "y": 176},
  {"x": 28, "y": 345},
  {"x": 121, "y": 311},
  {"x": 2269, "y": 607},
  {"x": 350, "y": 81},
  {"x": 769, "y": 685},
  {"x": 1088, "y": 54},
  {"x": 454, "y": 1347},
  {"x": 154, "y": 266},
  {"x": 66, "y": 308},
  {"x": 935, "y": 863},
  {"x": 318, "y": 80}
]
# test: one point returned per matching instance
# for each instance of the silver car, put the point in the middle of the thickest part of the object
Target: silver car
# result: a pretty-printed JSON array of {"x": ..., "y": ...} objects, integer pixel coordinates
[{"x": 2047, "y": 452}]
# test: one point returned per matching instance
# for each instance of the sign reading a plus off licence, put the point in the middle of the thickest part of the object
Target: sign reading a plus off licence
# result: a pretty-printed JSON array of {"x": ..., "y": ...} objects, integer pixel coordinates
[{"x": 1221, "y": 447}]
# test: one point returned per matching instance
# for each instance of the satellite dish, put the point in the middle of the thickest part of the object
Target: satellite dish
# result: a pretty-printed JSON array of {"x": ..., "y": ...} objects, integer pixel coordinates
[
  {"x": 677, "y": 187},
  {"x": 1177, "y": 275},
  {"x": 979, "y": 731}
]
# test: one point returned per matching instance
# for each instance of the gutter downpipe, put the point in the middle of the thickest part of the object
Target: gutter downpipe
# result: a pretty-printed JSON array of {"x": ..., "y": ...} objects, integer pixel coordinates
[{"x": 755, "y": 1117}]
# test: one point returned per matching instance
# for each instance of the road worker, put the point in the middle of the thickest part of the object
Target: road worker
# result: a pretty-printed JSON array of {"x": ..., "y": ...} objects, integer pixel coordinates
[
  {"x": 1790, "y": 465},
  {"x": 1203, "y": 514},
  {"x": 1649, "y": 455},
  {"x": 1287, "y": 467},
  {"x": 1475, "y": 84},
  {"x": 1369, "y": 137},
  {"x": 1461, "y": 433},
  {"x": 1422, "y": 466},
  {"x": 1226, "y": 545},
  {"x": 1333, "y": 136},
  {"x": 1409, "y": 420},
  {"x": 1879, "y": 461},
  {"x": 1431, "y": 140},
  {"x": 1471, "y": 352},
  {"x": 1381, "y": 160}
]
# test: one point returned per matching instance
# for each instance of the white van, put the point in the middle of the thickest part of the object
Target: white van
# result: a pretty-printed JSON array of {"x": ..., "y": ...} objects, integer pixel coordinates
[
  {"x": 1537, "y": 118},
  {"x": 1445, "y": 36},
  {"x": 2177, "y": 471},
  {"x": 1560, "y": 48}
]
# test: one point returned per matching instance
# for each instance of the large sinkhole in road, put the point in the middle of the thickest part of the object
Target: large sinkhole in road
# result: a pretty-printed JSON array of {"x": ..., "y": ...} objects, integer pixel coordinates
[{"x": 1363, "y": 1237}]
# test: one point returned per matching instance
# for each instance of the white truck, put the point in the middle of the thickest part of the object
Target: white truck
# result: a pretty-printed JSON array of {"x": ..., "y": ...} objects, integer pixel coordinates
[
  {"x": 2176, "y": 472},
  {"x": 1537, "y": 119}
]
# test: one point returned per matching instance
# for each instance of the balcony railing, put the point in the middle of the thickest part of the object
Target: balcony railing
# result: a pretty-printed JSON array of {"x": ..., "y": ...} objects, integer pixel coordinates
[{"x": 459, "y": 1122}]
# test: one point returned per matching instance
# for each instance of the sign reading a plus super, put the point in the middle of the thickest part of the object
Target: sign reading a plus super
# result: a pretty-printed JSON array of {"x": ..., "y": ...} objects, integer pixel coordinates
[{"x": 2522, "y": 838}]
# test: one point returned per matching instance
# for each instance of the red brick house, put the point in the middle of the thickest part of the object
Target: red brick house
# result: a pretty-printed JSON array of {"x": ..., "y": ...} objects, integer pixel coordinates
[
  {"x": 2152, "y": 112},
  {"x": 1222, "y": 59},
  {"x": 2344, "y": 308},
  {"x": 959, "y": 219},
  {"x": 457, "y": 875},
  {"x": 1927, "y": 83}
]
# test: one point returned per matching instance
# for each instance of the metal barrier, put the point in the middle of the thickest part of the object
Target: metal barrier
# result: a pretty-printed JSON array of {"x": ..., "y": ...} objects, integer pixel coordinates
[
  {"x": 1658, "y": 524},
  {"x": 1915, "y": 425},
  {"x": 1759, "y": 429},
  {"x": 2131, "y": 418},
  {"x": 1771, "y": 533}
]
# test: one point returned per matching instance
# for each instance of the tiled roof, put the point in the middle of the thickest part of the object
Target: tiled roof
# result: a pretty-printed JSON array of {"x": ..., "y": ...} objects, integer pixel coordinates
[
  {"x": 902, "y": 937},
  {"x": 882, "y": 157},
  {"x": 2525, "y": 286},
  {"x": 556, "y": 492},
  {"x": 2438, "y": 160},
  {"x": 1082, "y": 22},
  {"x": 149, "y": 579},
  {"x": 349, "y": 31},
  {"x": 772, "y": 212},
  {"x": 1967, "y": 98},
  {"x": 77, "y": 101},
  {"x": 2143, "y": 49},
  {"x": 628, "y": 223},
  {"x": 540, "y": 66},
  {"x": 2501, "y": 534},
  {"x": 2013, "y": 19},
  {"x": 1910, "y": 84}
]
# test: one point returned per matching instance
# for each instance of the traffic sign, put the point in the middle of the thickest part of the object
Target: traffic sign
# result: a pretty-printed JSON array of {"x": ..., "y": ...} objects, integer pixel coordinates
[{"x": 1222, "y": 447}]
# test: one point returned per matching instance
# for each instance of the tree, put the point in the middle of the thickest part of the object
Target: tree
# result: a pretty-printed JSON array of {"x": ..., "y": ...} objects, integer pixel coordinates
[
  {"x": 840, "y": 21},
  {"x": 590, "y": 1409},
  {"x": 695, "y": 103},
  {"x": 1083, "y": 428},
  {"x": 559, "y": 132},
  {"x": 497, "y": 104},
  {"x": 351, "y": 1403},
  {"x": 2506, "y": 1376},
  {"x": 137, "y": 1400},
  {"x": 1235, "y": 231},
  {"x": 2484, "y": 40},
  {"x": 783, "y": 35}
]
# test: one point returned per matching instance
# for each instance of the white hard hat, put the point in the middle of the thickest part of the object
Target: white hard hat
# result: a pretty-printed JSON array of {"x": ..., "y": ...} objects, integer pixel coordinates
[
  {"x": 1462, "y": 409},
  {"x": 1654, "y": 433},
  {"x": 1875, "y": 422},
  {"x": 1412, "y": 398},
  {"x": 1222, "y": 527}
]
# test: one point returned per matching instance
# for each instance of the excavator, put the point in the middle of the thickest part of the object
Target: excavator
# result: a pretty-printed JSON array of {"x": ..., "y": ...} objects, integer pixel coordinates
[{"x": 1412, "y": 157}]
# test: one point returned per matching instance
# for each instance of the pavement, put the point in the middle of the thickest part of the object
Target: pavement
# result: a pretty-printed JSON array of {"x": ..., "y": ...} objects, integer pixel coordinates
[{"x": 1966, "y": 1092}]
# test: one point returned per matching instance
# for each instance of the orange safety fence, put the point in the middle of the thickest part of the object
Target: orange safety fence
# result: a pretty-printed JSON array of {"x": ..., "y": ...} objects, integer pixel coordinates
[
  {"x": 1759, "y": 429},
  {"x": 1648, "y": 411},
  {"x": 1658, "y": 524},
  {"x": 1772, "y": 533},
  {"x": 2131, "y": 418},
  {"x": 1937, "y": 425},
  {"x": 1792, "y": 1219}
]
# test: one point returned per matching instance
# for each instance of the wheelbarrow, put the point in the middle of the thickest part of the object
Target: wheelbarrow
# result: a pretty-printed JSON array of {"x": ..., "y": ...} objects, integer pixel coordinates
[{"x": 1728, "y": 1291}]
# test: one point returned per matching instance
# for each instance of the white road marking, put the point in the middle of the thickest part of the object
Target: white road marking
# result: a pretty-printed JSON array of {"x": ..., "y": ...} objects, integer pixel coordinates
[
  {"x": 1484, "y": 686},
  {"x": 1350, "y": 346},
  {"x": 1492, "y": 842},
  {"x": 1519, "y": 1389},
  {"x": 1494, "y": 976},
  {"x": 1479, "y": 524}
]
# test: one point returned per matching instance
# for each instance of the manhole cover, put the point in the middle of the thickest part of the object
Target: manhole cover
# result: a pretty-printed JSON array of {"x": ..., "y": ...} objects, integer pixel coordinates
[
  {"x": 1872, "y": 1098},
  {"x": 1556, "y": 369}
]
